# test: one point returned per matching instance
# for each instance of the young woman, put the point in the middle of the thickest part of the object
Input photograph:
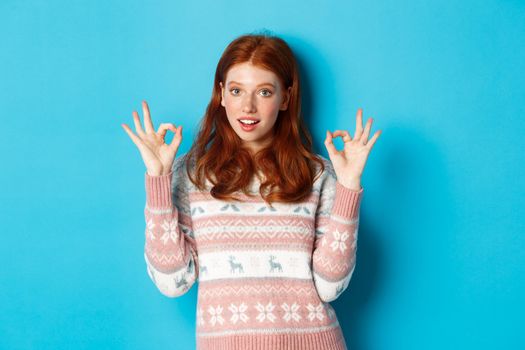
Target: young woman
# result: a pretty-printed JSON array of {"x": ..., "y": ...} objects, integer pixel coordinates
[{"x": 267, "y": 227}]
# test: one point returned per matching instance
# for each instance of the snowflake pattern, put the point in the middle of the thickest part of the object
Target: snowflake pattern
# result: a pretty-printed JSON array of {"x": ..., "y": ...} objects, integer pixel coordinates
[
  {"x": 200, "y": 318},
  {"x": 320, "y": 234},
  {"x": 339, "y": 241},
  {"x": 238, "y": 313},
  {"x": 149, "y": 229},
  {"x": 170, "y": 231},
  {"x": 216, "y": 315},
  {"x": 315, "y": 311},
  {"x": 291, "y": 312},
  {"x": 265, "y": 312}
]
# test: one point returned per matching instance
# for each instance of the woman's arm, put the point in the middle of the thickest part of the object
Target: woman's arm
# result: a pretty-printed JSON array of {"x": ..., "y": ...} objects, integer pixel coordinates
[
  {"x": 337, "y": 218},
  {"x": 170, "y": 251},
  {"x": 336, "y": 225}
]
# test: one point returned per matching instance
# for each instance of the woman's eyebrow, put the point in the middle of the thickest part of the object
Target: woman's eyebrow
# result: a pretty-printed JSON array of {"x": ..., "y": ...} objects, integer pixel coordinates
[{"x": 234, "y": 82}]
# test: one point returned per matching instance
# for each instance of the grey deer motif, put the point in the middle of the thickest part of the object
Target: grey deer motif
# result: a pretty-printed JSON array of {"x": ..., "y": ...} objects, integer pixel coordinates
[
  {"x": 181, "y": 282},
  {"x": 274, "y": 265},
  {"x": 235, "y": 265}
]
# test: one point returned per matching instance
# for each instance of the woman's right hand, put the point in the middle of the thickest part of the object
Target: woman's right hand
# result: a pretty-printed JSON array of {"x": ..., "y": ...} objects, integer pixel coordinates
[{"x": 157, "y": 155}]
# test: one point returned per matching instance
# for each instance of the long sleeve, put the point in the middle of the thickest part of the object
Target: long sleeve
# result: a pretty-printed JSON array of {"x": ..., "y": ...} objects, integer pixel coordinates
[
  {"x": 336, "y": 225},
  {"x": 170, "y": 251}
]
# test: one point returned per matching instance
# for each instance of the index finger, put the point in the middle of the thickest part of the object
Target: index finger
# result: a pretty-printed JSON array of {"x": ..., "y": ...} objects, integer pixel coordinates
[
  {"x": 147, "y": 118},
  {"x": 358, "y": 124}
]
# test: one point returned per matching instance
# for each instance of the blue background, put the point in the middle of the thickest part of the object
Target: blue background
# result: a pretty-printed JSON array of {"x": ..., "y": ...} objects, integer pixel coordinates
[{"x": 441, "y": 259}]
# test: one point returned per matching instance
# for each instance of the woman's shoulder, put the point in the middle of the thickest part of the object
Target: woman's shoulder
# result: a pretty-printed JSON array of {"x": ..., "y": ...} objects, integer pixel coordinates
[
  {"x": 328, "y": 167},
  {"x": 180, "y": 162},
  {"x": 180, "y": 172},
  {"x": 180, "y": 175}
]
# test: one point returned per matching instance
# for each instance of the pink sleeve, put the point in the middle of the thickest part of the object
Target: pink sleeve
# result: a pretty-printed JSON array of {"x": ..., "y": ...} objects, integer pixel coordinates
[
  {"x": 337, "y": 222},
  {"x": 170, "y": 251}
]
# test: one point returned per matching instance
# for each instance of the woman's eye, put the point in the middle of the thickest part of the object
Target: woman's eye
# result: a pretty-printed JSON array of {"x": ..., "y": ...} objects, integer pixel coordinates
[
  {"x": 269, "y": 93},
  {"x": 266, "y": 92}
]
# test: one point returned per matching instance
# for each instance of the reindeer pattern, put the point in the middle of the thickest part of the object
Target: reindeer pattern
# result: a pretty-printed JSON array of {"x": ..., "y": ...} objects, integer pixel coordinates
[
  {"x": 234, "y": 266},
  {"x": 237, "y": 267},
  {"x": 274, "y": 265}
]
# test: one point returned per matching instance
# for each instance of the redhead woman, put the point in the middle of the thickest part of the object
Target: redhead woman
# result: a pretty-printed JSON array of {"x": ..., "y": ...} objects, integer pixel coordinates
[{"x": 266, "y": 227}]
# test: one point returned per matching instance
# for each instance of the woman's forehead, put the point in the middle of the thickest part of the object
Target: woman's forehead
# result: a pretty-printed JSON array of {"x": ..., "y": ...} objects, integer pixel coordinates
[{"x": 248, "y": 74}]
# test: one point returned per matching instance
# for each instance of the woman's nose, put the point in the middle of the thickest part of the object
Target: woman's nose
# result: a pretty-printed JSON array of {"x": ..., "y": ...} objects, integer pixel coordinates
[{"x": 248, "y": 105}]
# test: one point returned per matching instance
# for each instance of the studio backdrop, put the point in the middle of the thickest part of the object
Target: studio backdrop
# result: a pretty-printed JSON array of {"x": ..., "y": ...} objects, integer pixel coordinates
[{"x": 440, "y": 259}]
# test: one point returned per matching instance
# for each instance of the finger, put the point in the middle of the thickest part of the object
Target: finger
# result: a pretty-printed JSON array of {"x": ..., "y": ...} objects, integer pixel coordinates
[
  {"x": 177, "y": 139},
  {"x": 164, "y": 127},
  {"x": 366, "y": 133},
  {"x": 345, "y": 135},
  {"x": 147, "y": 118},
  {"x": 136, "y": 140},
  {"x": 138, "y": 126},
  {"x": 329, "y": 144},
  {"x": 358, "y": 124},
  {"x": 372, "y": 141}
]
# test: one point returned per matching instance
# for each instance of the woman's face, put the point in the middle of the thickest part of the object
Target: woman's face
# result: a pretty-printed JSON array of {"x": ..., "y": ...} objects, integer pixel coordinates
[{"x": 253, "y": 93}]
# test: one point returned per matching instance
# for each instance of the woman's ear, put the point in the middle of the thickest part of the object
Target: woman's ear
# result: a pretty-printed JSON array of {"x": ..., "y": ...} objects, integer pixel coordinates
[
  {"x": 222, "y": 94},
  {"x": 286, "y": 99}
]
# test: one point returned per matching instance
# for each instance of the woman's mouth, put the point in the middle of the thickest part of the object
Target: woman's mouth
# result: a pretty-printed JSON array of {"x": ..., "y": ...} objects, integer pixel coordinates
[{"x": 248, "y": 125}]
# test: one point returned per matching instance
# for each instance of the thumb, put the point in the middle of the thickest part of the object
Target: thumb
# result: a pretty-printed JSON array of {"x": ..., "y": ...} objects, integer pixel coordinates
[
  {"x": 330, "y": 144},
  {"x": 177, "y": 139}
]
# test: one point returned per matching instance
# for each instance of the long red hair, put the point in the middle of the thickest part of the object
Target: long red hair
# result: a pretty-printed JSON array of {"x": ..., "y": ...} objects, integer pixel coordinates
[{"x": 217, "y": 153}]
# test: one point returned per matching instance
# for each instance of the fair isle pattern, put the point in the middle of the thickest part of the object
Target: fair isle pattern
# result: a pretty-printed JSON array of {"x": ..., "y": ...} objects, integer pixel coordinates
[
  {"x": 217, "y": 289},
  {"x": 266, "y": 273}
]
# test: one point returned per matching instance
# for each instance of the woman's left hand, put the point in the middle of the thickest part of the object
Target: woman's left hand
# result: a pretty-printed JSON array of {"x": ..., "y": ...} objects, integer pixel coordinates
[{"x": 350, "y": 162}]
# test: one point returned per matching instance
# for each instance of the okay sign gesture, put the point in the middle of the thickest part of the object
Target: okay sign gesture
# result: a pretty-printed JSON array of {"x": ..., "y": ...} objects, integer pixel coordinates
[
  {"x": 350, "y": 162},
  {"x": 158, "y": 156}
]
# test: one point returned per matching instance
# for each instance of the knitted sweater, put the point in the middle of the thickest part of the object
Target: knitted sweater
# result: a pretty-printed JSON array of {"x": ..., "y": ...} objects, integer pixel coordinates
[{"x": 266, "y": 274}]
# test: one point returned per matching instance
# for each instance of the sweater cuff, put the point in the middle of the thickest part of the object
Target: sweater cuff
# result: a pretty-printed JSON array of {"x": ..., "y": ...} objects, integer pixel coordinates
[
  {"x": 346, "y": 202},
  {"x": 158, "y": 190}
]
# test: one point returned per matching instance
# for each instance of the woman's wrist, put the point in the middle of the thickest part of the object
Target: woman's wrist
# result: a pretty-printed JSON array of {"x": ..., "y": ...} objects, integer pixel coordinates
[
  {"x": 157, "y": 173},
  {"x": 352, "y": 184}
]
